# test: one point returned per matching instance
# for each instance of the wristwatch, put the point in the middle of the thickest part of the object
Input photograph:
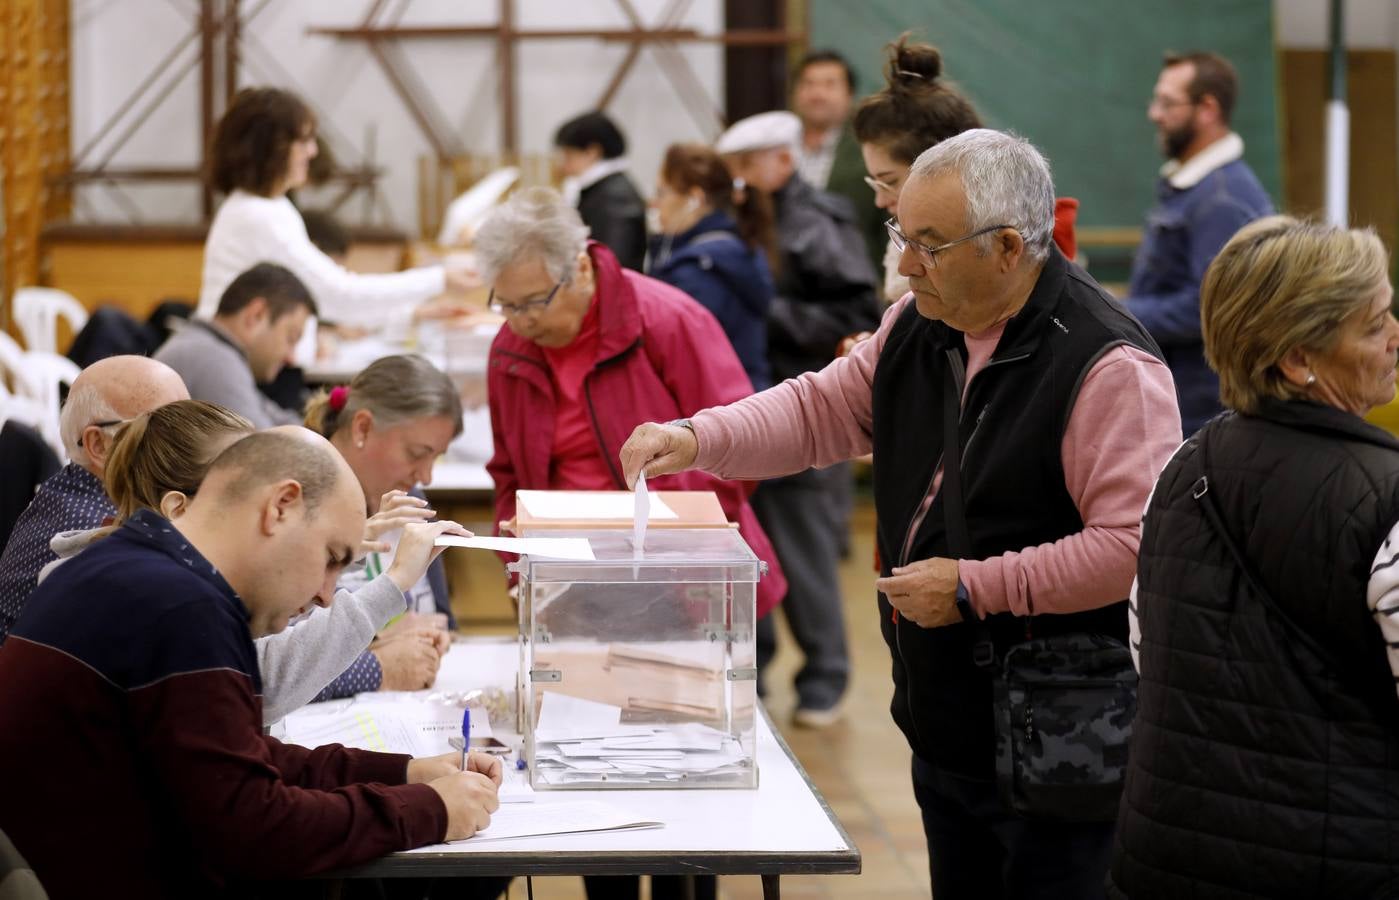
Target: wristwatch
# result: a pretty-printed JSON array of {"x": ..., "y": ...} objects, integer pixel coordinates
[
  {"x": 964, "y": 602},
  {"x": 683, "y": 423}
]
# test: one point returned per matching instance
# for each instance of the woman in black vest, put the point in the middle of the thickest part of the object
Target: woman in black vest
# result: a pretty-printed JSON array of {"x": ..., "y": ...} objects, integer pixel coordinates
[{"x": 1265, "y": 756}]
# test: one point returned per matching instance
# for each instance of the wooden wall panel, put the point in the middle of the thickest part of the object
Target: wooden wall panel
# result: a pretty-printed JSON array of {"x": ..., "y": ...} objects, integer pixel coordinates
[
  {"x": 34, "y": 138},
  {"x": 1374, "y": 146},
  {"x": 136, "y": 268}
]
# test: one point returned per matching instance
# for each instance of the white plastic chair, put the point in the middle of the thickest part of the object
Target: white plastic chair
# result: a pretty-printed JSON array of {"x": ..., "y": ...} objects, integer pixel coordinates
[
  {"x": 37, "y": 311},
  {"x": 19, "y": 391},
  {"x": 14, "y": 372},
  {"x": 48, "y": 373},
  {"x": 34, "y": 389}
]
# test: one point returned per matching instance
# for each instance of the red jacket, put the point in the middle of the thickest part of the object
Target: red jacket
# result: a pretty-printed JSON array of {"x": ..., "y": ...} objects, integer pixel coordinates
[{"x": 661, "y": 356}]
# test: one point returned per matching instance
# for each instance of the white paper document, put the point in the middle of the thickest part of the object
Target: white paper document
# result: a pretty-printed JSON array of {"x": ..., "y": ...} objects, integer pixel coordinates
[
  {"x": 552, "y": 548},
  {"x": 384, "y": 723},
  {"x": 588, "y": 505},
  {"x": 641, "y": 513},
  {"x": 573, "y": 718},
  {"x": 530, "y": 820}
]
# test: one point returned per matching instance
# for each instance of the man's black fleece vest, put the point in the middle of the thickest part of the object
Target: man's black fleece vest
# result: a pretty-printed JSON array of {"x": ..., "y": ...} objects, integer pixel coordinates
[{"x": 1012, "y": 426}]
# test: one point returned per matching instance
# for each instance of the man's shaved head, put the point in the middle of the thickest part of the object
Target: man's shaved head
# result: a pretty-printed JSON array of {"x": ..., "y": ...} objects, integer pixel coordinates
[
  {"x": 275, "y": 455},
  {"x": 114, "y": 389},
  {"x": 280, "y": 514}
]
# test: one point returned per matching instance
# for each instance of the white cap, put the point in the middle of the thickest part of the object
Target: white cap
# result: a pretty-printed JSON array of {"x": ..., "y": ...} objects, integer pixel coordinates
[{"x": 761, "y": 132}]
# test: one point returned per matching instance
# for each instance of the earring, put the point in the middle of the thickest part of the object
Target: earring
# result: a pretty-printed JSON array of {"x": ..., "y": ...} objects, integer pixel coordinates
[
  {"x": 359, "y": 445},
  {"x": 1311, "y": 379}
]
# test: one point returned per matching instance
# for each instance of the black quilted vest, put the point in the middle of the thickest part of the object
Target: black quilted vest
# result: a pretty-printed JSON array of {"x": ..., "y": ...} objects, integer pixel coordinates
[
  {"x": 1257, "y": 770},
  {"x": 1012, "y": 429}
]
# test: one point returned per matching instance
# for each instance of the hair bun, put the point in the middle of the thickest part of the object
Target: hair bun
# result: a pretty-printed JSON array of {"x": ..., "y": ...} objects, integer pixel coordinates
[{"x": 913, "y": 64}]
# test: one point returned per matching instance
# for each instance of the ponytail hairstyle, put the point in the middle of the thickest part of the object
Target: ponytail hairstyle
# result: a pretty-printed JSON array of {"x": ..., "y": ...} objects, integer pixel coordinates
[
  {"x": 917, "y": 108},
  {"x": 168, "y": 449},
  {"x": 688, "y": 166},
  {"x": 393, "y": 389}
]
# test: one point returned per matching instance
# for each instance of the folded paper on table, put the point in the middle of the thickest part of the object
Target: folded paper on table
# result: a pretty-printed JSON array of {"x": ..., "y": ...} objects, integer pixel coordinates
[
  {"x": 588, "y": 505},
  {"x": 525, "y": 820},
  {"x": 553, "y": 548}
]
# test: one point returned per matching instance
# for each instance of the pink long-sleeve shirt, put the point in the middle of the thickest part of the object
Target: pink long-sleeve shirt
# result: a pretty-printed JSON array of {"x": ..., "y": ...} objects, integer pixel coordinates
[{"x": 1123, "y": 429}]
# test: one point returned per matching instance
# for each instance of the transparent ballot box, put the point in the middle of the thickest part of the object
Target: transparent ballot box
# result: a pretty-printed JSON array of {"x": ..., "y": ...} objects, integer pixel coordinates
[{"x": 640, "y": 670}]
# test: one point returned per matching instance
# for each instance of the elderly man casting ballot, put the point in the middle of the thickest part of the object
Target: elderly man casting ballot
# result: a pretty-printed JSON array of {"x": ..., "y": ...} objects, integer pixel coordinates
[{"x": 1066, "y": 415}]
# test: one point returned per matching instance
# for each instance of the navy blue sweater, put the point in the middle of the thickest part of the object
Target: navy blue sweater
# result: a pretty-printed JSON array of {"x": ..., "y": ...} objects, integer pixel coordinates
[
  {"x": 711, "y": 263},
  {"x": 1183, "y": 232}
]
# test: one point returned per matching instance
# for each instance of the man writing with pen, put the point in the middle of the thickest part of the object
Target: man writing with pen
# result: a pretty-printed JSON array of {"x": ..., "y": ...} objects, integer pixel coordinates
[{"x": 132, "y": 676}]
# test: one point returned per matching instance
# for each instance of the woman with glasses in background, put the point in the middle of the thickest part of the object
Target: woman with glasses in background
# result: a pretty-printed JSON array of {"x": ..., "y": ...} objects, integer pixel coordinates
[{"x": 918, "y": 109}]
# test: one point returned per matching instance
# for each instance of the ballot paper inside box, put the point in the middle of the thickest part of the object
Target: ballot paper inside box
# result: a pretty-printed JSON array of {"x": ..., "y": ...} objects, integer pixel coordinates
[{"x": 640, "y": 669}]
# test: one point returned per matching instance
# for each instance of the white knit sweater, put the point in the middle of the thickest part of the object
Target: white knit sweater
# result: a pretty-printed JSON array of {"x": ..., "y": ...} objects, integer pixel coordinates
[{"x": 249, "y": 229}]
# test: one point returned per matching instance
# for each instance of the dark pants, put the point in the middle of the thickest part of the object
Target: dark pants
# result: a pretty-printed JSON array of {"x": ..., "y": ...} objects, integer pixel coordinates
[
  {"x": 663, "y": 887},
  {"x": 805, "y": 518},
  {"x": 978, "y": 850}
]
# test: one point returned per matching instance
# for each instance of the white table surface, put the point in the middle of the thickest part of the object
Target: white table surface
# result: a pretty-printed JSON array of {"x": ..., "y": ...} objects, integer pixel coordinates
[{"x": 782, "y": 826}]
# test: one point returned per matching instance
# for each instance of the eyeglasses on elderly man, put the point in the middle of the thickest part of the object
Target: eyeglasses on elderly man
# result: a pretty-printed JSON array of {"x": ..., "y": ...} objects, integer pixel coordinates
[{"x": 929, "y": 254}]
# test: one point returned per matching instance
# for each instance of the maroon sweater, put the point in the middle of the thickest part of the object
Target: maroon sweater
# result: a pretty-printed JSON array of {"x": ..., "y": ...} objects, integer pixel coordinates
[{"x": 131, "y": 729}]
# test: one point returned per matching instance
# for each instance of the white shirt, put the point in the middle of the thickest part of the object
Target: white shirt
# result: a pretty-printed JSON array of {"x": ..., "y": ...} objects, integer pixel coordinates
[
  {"x": 249, "y": 229},
  {"x": 815, "y": 165}
]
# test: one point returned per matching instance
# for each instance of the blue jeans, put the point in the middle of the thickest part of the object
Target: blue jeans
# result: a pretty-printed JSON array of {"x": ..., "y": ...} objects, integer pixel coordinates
[{"x": 979, "y": 850}]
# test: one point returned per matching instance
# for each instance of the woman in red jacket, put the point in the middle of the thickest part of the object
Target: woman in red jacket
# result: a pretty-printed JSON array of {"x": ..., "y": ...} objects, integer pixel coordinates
[{"x": 593, "y": 350}]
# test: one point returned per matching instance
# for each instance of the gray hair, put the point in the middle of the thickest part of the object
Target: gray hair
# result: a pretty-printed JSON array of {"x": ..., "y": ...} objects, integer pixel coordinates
[
  {"x": 533, "y": 224},
  {"x": 395, "y": 389},
  {"x": 1006, "y": 180},
  {"x": 85, "y": 405}
]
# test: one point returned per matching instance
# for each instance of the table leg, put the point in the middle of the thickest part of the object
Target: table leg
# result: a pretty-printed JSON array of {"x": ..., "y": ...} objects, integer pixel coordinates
[{"x": 772, "y": 890}]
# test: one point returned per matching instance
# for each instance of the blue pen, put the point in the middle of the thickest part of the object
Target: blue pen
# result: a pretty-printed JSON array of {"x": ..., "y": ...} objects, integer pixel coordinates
[{"x": 465, "y": 735}]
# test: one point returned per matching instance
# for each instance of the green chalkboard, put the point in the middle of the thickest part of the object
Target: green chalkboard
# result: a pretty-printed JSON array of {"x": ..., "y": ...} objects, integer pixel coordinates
[{"x": 1074, "y": 76}]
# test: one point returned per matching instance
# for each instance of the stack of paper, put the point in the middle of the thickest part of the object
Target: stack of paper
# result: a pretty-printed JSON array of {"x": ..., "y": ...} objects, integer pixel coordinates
[{"x": 579, "y": 741}]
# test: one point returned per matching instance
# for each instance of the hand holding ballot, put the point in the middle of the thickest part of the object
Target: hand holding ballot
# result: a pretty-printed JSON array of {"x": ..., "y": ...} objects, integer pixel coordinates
[
  {"x": 396, "y": 509},
  {"x": 417, "y": 549},
  {"x": 924, "y": 591},
  {"x": 658, "y": 450}
]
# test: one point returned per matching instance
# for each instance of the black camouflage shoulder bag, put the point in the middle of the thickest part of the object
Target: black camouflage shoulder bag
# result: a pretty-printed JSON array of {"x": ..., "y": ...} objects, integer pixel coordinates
[{"x": 1063, "y": 704}]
